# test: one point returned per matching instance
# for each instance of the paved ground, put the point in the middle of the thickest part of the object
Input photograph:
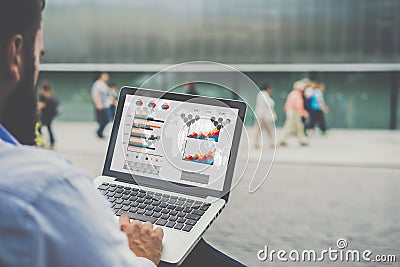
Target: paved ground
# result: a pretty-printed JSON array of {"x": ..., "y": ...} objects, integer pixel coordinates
[{"x": 344, "y": 185}]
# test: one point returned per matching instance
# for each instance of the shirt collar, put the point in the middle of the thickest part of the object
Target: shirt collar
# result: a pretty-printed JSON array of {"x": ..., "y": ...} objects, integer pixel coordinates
[{"x": 7, "y": 137}]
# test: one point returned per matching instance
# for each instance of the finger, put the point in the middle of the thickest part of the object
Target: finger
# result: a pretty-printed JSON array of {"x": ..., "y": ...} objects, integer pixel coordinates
[
  {"x": 147, "y": 226},
  {"x": 124, "y": 219},
  {"x": 136, "y": 224},
  {"x": 159, "y": 232}
]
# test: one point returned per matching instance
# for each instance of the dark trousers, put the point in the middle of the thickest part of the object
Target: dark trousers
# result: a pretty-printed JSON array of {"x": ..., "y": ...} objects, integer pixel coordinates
[
  {"x": 203, "y": 255},
  {"x": 317, "y": 117},
  {"x": 47, "y": 124},
  {"x": 103, "y": 118}
]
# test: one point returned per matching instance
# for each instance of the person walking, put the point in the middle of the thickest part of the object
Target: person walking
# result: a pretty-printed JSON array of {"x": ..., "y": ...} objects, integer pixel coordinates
[
  {"x": 113, "y": 98},
  {"x": 294, "y": 109},
  {"x": 318, "y": 109},
  {"x": 101, "y": 98},
  {"x": 265, "y": 116},
  {"x": 48, "y": 109}
]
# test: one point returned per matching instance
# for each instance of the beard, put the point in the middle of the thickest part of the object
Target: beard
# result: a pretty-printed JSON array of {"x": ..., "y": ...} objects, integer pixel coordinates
[{"x": 19, "y": 111}]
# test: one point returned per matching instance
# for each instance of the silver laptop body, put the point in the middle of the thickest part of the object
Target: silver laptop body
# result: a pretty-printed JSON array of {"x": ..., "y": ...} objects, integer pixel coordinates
[{"x": 170, "y": 160}]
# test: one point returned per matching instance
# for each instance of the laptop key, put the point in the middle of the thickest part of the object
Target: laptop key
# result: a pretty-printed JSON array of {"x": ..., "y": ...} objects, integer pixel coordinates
[
  {"x": 119, "y": 201},
  {"x": 133, "y": 209},
  {"x": 111, "y": 189},
  {"x": 149, "y": 213},
  {"x": 126, "y": 202},
  {"x": 165, "y": 211},
  {"x": 187, "y": 228},
  {"x": 102, "y": 187},
  {"x": 173, "y": 218},
  {"x": 118, "y": 195},
  {"x": 133, "y": 198},
  {"x": 193, "y": 217},
  {"x": 157, "y": 214},
  {"x": 181, "y": 220},
  {"x": 119, "y": 190},
  {"x": 110, "y": 194},
  {"x": 191, "y": 222},
  {"x": 125, "y": 197},
  {"x": 179, "y": 208},
  {"x": 156, "y": 202},
  {"x": 173, "y": 212},
  {"x": 125, "y": 208},
  {"x": 163, "y": 205},
  {"x": 117, "y": 206},
  {"x": 142, "y": 206},
  {"x": 161, "y": 222},
  {"x": 157, "y": 209},
  {"x": 141, "y": 217},
  {"x": 141, "y": 211},
  {"x": 147, "y": 201},
  {"x": 149, "y": 207},
  {"x": 164, "y": 216},
  {"x": 120, "y": 212},
  {"x": 178, "y": 226},
  {"x": 170, "y": 224},
  {"x": 198, "y": 212}
]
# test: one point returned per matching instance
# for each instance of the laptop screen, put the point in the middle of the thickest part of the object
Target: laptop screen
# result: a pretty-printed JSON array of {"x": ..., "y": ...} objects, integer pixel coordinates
[{"x": 185, "y": 141}]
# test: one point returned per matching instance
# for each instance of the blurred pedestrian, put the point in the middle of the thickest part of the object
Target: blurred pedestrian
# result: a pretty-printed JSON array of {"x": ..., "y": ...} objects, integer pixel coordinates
[
  {"x": 307, "y": 93},
  {"x": 191, "y": 89},
  {"x": 318, "y": 109},
  {"x": 48, "y": 109},
  {"x": 294, "y": 109},
  {"x": 265, "y": 116},
  {"x": 113, "y": 98},
  {"x": 101, "y": 98}
]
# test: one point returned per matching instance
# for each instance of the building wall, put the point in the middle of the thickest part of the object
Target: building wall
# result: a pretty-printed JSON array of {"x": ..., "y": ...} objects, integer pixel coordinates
[{"x": 234, "y": 31}]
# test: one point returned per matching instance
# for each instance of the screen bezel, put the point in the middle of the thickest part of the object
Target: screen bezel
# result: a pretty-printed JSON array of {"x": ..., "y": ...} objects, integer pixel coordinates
[{"x": 168, "y": 185}]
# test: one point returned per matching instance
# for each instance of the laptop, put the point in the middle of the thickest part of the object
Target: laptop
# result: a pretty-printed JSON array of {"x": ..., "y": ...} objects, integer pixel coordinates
[{"x": 170, "y": 161}]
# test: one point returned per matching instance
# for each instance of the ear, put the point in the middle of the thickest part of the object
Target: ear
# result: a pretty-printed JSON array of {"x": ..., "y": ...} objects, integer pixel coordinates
[{"x": 14, "y": 58}]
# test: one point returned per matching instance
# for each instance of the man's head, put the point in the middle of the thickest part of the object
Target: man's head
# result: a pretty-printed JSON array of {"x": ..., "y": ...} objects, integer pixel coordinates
[
  {"x": 101, "y": 76},
  {"x": 21, "y": 46},
  {"x": 266, "y": 87},
  {"x": 299, "y": 85}
]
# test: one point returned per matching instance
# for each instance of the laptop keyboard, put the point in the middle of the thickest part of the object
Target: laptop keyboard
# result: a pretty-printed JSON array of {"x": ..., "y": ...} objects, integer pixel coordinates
[{"x": 161, "y": 209}]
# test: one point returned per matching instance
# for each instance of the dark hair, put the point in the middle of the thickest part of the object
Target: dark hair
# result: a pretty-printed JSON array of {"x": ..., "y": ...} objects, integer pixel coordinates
[
  {"x": 265, "y": 86},
  {"x": 98, "y": 74},
  {"x": 19, "y": 17}
]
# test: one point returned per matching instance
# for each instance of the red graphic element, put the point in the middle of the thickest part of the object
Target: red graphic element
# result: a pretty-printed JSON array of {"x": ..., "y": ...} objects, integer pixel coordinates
[
  {"x": 139, "y": 103},
  {"x": 212, "y": 135},
  {"x": 165, "y": 106},
  {"x": 207, "y": 158},
  {"x": 152, "y": 104}
]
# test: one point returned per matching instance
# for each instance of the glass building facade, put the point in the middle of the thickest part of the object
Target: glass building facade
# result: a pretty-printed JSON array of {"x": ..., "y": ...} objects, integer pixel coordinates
[{"x": 234, "y": 32}]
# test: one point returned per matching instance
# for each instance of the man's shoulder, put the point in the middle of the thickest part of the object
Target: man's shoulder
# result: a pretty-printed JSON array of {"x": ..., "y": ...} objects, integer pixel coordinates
[{"x": 27, "y": 172}]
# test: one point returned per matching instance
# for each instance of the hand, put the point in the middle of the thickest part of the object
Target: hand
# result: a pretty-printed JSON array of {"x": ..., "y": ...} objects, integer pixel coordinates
[{"x": 143, "y": 240}]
